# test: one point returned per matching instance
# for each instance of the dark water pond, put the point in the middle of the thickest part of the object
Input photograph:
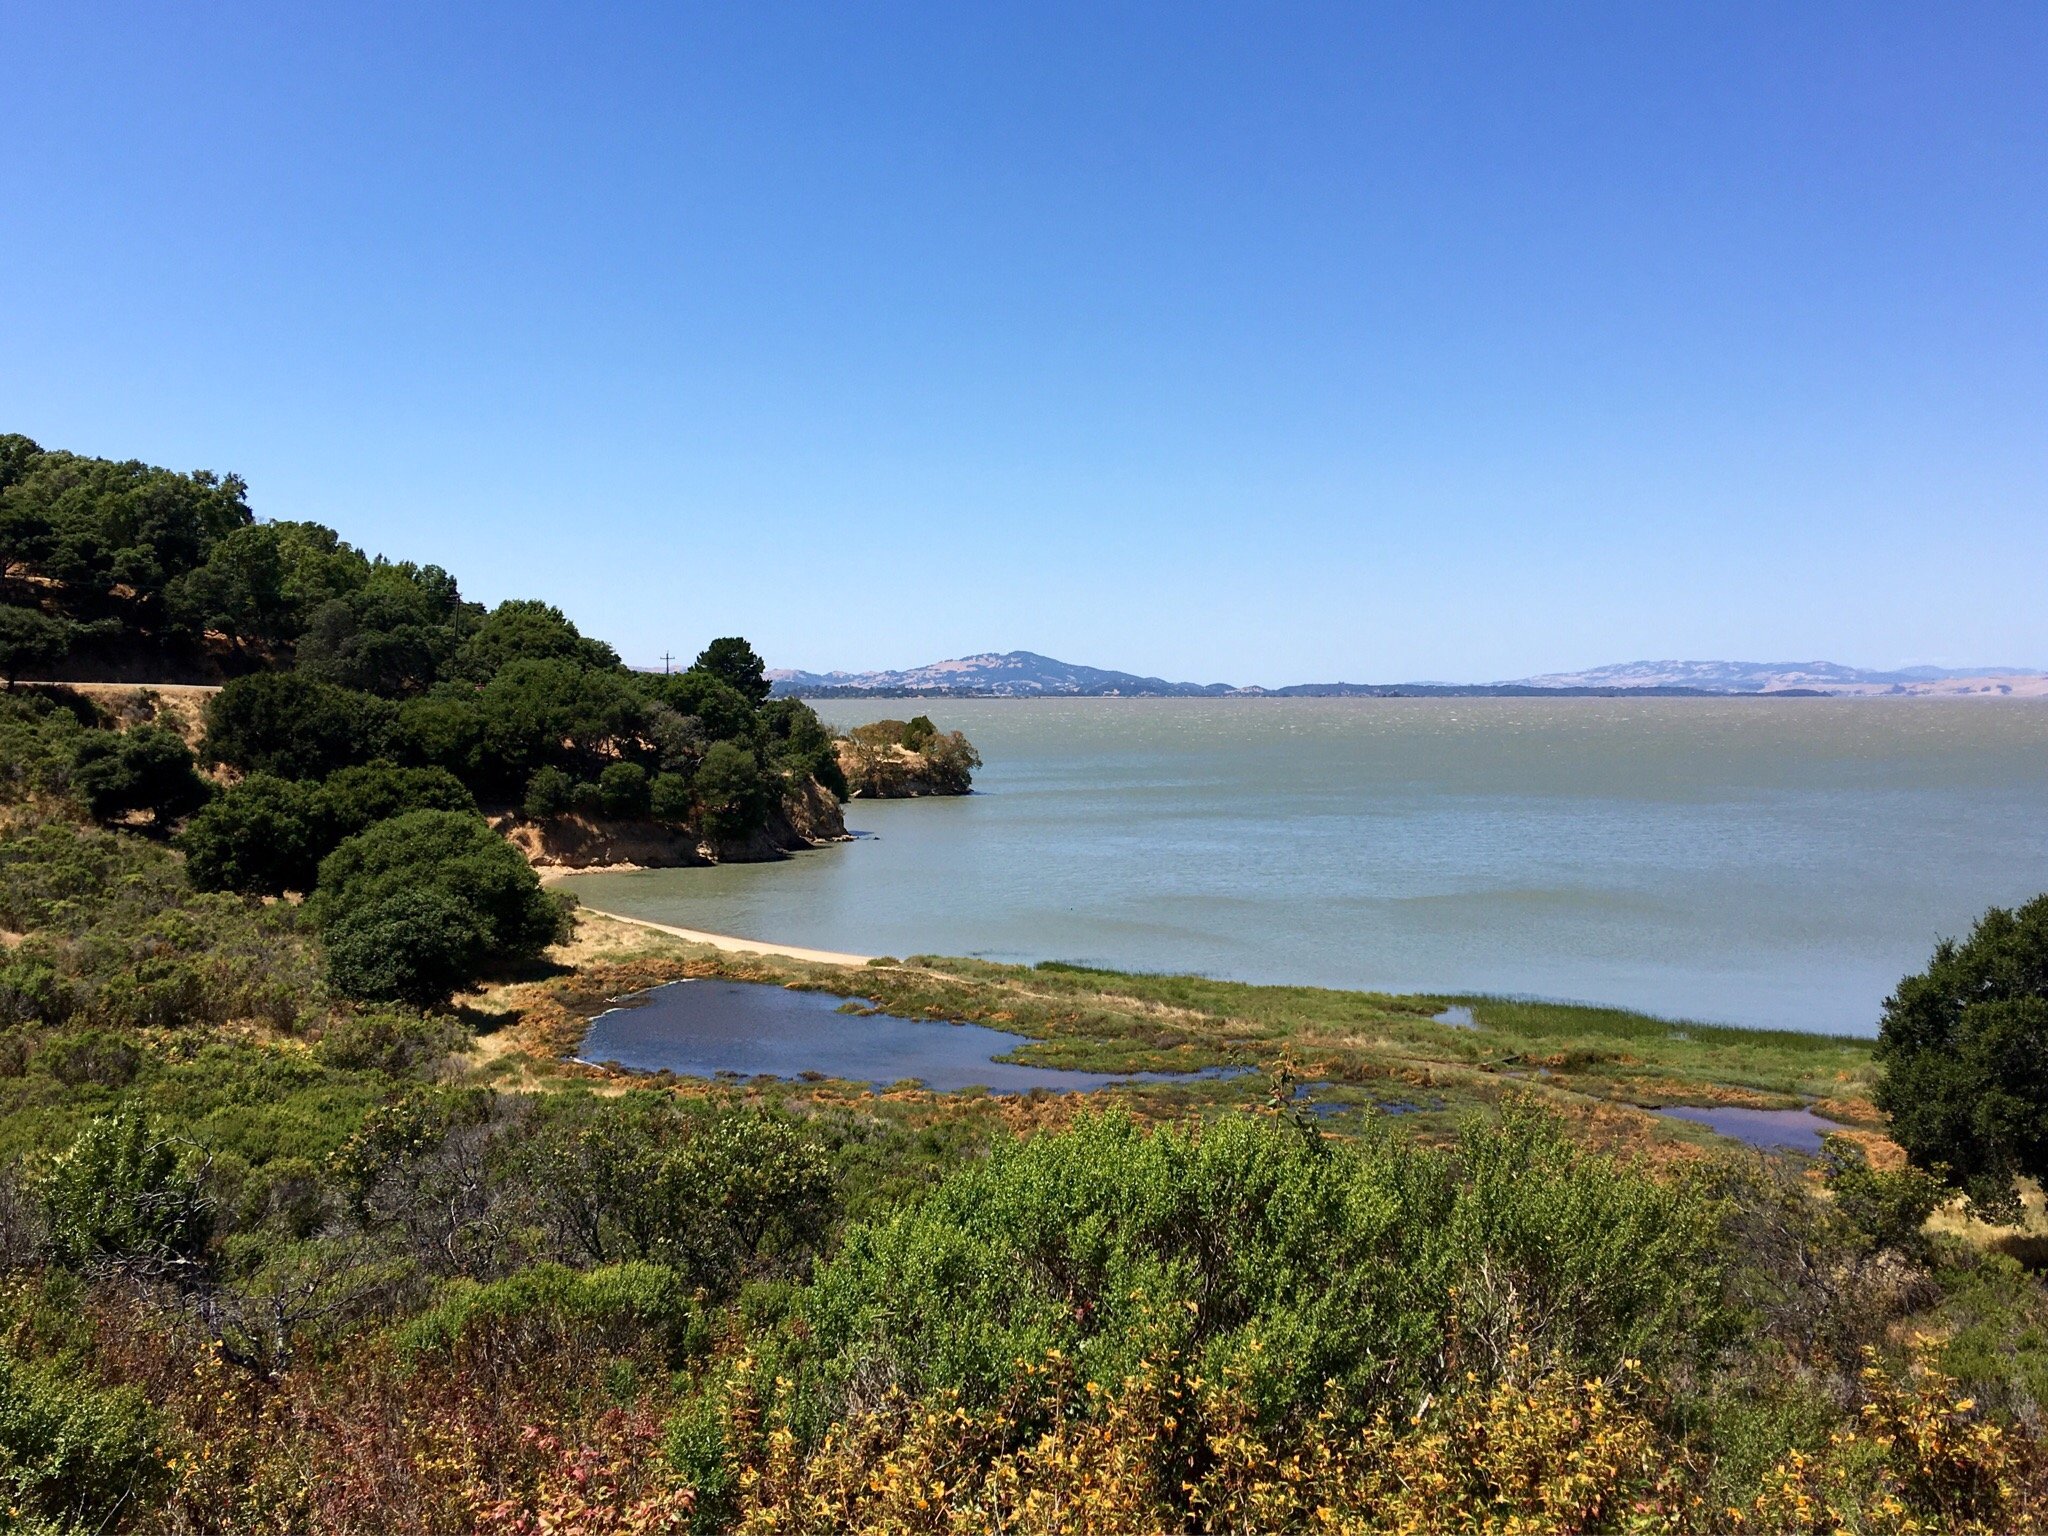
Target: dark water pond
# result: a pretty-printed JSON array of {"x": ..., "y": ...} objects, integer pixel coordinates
[
  {"x": 1776, "y": 1130},
  {"x": 705, "y": 1028}
]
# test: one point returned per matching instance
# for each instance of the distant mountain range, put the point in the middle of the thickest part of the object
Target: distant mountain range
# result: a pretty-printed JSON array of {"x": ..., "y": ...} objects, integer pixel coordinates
[{"x": 1026, "y": 674}]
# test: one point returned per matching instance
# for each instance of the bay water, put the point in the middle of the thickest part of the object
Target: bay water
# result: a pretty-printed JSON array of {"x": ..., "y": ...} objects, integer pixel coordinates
[{"x": 1774, "y": 862}]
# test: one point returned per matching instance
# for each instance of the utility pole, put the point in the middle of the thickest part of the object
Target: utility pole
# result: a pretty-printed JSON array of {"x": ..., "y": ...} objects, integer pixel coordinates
[{"x": 665, "y": 660}]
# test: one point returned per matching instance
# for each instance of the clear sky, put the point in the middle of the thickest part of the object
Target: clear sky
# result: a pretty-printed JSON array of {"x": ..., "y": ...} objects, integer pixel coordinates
[{"x": 1241, "y": 343}]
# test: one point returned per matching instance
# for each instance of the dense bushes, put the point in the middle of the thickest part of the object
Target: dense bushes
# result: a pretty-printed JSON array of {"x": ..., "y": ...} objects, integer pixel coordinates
[
  {"x": 422, "y": 902},
  {"x": 116, "y": 937},
  {"x": 267, "y": 835},
  {"x": 122, "y": 1195},
  {"x": 148, "y": 769},
  {"x": 1254, "y": 1252},
  {"x": 72, "y": 1457}
]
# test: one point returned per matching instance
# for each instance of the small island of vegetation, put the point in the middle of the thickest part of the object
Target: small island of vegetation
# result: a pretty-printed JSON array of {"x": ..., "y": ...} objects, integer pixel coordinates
[
  {"x": 902, "y": 759},
  {"x": 309, "y": 1220}
]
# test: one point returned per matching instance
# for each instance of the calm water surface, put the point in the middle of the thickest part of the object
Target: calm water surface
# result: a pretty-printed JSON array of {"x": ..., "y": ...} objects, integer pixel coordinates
[
  {"x": 704, "y": 1028},
  {"x": 1755, "y": 861}
]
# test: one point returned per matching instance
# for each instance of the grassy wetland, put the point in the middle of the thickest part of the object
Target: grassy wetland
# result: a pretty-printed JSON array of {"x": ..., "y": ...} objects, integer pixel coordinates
[{"x": 1352, "y": 1051}]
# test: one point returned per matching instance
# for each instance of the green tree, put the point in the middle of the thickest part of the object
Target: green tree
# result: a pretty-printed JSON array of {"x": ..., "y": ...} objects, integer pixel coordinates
[
  {"x": 456, "y": 856},
  {"x": 113, "y": 534},
  {"x": 352, "y": 799},
  {"x": 733, "y": 662},
  {"x": 262, "y": 583},
  {"x": 443, "y": 730},
  {"x": 1964, "y": 1051},
  {"x": 17, "y": 455},
  {"x": 548, "y": 793},
  {"x": 30, "y": 640},
  {"x": 394, "y": 636},
  {"x": 800, "y": 742},
  {"x": 296, "y": 727},
  {"x": 668, "y": 798},
  {"x": 949, "y": 763},
  {"x": 146, "y": 769},
  {"x": 262, "y": 837},
  {"x": 720, "y": 711},
  {"x": 526, "y": 630},
  {"x": 405, "y": 946},
  {"x": 624, "y": 788},
  {"x": 537, "y": 712},
  {"x": 732, "y": 794}
]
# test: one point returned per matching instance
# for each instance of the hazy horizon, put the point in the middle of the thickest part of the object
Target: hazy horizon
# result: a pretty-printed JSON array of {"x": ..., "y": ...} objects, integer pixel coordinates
[
  {"x": 1278, "y": 343},
  {"x": 1984, "y": 669}
]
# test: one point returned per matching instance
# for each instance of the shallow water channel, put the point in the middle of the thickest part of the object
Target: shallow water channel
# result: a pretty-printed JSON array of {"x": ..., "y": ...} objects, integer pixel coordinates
[
  {"x": 750, "y": 1029},
  {"x": 1775, "y": 1130}
]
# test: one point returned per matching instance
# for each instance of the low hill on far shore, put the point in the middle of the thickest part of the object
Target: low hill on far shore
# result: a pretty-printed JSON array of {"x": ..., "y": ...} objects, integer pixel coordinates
[{"x": 1026, "y": 674}]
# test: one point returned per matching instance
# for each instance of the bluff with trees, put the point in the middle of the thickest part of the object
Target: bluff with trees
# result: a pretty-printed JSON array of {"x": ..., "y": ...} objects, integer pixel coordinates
[
  {"x": 371, "y": 716},
  {"x": 334, "y": 659}
]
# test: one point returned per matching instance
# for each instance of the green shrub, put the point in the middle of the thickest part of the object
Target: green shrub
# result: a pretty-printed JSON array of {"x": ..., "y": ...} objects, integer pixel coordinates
[
  {"x": 267, "y": 835},
  {"x": 712, "y": 1196},
  {"x": 353, "y": 799},
  {"x": 586, "y": 798},
  {"x": 399, "y": 1044},
  {"x": 122, "y": 1194},
  {"x": 621, "y": 1303},
  {"x": 38, "y": 740},
  {"x": 30, "y": 640},
  {"x": 732, "y": 795},
  {"x": 71, "y": 1456},
  {"x": 131, "y": 945},
  {"x": 146, "y": 769},
  {"x": 417, "y": 905},
  {"x": 261, "y": 837},
  {"x": 548, "y": 793},
  {"x": 84, "y": 1056},
  {"x": 1251, "y": 1251},
  {"x": 296, "y": 727},
  {"x": 405, "y": 946},
  {"x": 623, "y": 787},
  {"x": 1884, "y": 1209}
]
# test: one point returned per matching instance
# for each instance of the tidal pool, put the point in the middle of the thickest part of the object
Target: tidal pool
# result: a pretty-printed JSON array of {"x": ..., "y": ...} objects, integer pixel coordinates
[
  {"x": 750, "y": 1029},
  {"x": 1776, "y": 1130}
]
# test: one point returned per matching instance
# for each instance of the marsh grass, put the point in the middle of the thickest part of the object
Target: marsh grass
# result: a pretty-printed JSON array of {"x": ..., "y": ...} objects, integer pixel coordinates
[{"x": 1599, "y": 1065}]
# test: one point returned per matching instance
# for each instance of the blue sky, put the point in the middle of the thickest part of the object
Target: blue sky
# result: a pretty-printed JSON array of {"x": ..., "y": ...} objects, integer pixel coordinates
[{"x": 1245, "y": 343}]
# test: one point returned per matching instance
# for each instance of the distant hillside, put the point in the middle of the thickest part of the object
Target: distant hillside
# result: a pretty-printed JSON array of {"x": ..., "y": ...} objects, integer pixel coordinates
[
  {"x": 1026, "y": 674},
  {"x": 1775, "y": 677},
  {"x": 1004, "y": 675}
]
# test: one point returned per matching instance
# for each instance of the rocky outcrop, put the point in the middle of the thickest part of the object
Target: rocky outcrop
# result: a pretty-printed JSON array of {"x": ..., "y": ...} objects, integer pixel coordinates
[
  {"x": 582, "y": 842},
  {"x": 807, "y": 817},
  {"x": 885, "y": 771},
  {"x": 812, "y": 815}
]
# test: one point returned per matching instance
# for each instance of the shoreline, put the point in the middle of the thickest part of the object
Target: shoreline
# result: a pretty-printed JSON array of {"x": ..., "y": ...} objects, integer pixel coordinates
[{"x": 734, "y": 945}]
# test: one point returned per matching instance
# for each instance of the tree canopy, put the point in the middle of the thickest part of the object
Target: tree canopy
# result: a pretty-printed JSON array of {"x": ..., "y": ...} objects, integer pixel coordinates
[
  {"x": 446, "y": 871},
  {"x": 1964, "y": 1045}
]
